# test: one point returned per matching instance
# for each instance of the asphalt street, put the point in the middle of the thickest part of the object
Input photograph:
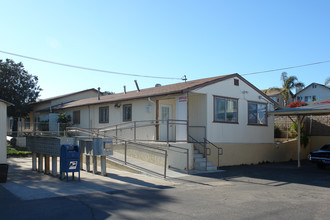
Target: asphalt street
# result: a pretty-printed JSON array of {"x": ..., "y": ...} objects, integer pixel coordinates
[{"x": 266, "y": 191}]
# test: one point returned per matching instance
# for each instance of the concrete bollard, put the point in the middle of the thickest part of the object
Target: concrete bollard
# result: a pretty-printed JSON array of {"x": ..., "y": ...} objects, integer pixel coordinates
[
  {"x": 54, "y": 165},
  {"x": 40, "y": 162},
  {"x": 103, "y": 166},
  {"x": 47, "y": 164},
  {"x": 34, "y": 161},
  {"x": 94, "y": 164},
  {"x": 88, "y": 163}
]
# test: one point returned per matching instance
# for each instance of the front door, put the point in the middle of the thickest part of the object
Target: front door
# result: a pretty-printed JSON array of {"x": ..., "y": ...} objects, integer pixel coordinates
[{"x": 165, "y": 114}]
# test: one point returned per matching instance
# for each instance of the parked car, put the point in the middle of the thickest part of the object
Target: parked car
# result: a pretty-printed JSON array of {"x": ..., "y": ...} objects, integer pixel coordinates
[{"x": 321, "y": 157}]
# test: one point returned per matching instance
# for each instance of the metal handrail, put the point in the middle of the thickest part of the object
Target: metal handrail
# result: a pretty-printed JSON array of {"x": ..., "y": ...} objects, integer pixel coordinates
[
  {"x": 220, "y": 150},
  {"x": 143, "y": 146},
  {"x": 205, "y": 149}
]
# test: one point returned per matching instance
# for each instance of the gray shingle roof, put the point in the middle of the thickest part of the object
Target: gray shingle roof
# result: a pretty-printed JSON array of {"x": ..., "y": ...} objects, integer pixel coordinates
[{"x": 178, "y": 88}]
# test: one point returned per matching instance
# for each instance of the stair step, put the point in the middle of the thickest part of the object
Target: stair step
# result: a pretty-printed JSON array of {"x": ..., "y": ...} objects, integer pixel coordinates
[
  {"x": 196, "y": 152},
  {"x": 198, "y": 155}
]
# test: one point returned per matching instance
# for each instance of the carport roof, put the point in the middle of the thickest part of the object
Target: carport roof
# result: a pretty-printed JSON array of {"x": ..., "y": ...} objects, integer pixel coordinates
[{"x": 315, "y": 109}]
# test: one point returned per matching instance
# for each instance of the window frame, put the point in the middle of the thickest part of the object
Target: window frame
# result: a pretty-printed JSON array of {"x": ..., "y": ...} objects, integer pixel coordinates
[
  {"x": 266, "y": 113},
  {"x": 76, "y": 122},
  {"x": 226, "y": 99},
  {"x": 124, "y": 112},
  {"x": 106, "y": 120}
]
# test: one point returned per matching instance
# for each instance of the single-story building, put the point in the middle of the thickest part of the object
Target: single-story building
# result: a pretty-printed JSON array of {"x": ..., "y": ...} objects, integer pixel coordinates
[
  {"x": 3, "y": 129},
  {"x": 42, "y": 116},
  {"x": 225, "y": 111}
]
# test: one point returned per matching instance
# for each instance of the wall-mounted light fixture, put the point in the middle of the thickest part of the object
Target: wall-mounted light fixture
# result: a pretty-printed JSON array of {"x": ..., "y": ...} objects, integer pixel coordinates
[{"x": 117, "y": 105}]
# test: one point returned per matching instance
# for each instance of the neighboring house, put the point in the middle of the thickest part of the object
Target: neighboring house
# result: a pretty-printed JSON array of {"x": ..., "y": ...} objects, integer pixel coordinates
[
  {"x": 276, "y": 95},
  {"x": 314, "y": 93},
  {"x": 3, "y": 129},
  {"x": 226, "y": 110},
  {"x": 42, "y": 116}
]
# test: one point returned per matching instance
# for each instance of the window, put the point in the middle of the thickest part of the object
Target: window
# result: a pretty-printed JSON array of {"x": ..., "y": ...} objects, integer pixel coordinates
[
  {"x": 104, "y": 114},
  {"x": 308, "y": 98},
  {"x": 127, "y": 112},
  {"x": 76, "y": 117},
  {"x": 257, "y": 113},
  {"x": 225, "y": 109},
  {"x": 314, "y": 86},
  {"x": 27, "y": 123},
  {"x": 314, "y": 98},
  {"x": 236, "y": 82}
]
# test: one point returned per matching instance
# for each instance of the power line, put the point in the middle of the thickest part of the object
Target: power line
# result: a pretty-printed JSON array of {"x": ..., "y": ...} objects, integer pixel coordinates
[
  {"x": 286, "y": 68},
  {"x": 87, "y": 68},
  {"x": 145, "y": 76}
]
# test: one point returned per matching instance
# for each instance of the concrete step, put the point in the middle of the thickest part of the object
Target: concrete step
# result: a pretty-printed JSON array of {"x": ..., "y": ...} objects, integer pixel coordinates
[
  {"x": 202, "y": 167},
  {"x": 198, "y": 156}
]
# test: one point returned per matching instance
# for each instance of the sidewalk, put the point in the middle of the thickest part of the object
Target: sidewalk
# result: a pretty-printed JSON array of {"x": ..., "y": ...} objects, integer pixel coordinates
[{"x": 28, "y": 185}]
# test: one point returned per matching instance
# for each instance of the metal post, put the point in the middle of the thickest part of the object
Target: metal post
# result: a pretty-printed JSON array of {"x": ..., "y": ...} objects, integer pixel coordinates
[
  {"x": 299, "y": 134},
  {"x": 187, "y": 161},
  {"x": 218, "y": 157},
  {"x": 165, "y": 166},
  {"x": 134, "y": 131},
  {"x": 116, "y": 134},
  {"x": 187, "y": 131},
  {"x": 168, "y": 130},
  {"x": 125, "y": 152}
]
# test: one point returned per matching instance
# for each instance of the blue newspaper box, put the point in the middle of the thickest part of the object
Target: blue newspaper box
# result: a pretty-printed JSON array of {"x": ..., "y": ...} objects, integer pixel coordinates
[{"x": 70, "y": 160}]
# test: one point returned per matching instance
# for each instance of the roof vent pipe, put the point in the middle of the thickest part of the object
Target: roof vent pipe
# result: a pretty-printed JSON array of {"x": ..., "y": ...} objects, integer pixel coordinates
[
  {"x": 98, "y": 93},
  {"x": 125, "y": 89},
  {"x": 137, "y": 86}
]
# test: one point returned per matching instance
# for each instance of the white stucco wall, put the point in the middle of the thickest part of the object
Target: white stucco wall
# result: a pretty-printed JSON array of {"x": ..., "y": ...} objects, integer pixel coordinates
[
  {"x": 141, "y": 110},
  {"x": 241, "y": 132},
  {"x": 3, "y": 132}
]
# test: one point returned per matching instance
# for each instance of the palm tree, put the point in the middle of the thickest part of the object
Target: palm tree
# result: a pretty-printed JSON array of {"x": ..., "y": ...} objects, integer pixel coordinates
[
  {"x": 288, "y": 83},
  {"x": 327, "y": 81}
]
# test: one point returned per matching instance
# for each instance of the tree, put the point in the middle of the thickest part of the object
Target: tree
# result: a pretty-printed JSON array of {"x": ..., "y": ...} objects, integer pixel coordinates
[
  {"x": 18, "y": 87},
  {"x": 64, "y": 120},
  {"x": 288, "y": 83}
]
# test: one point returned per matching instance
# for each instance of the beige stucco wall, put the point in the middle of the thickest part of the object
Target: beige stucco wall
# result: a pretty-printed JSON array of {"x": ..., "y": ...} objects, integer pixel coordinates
[
  {"x": 241, "y": 132},
  {"x": 3, "y": 132},
  {"x": 316, "y": 142},
  {"x": 239, "y": 153}
]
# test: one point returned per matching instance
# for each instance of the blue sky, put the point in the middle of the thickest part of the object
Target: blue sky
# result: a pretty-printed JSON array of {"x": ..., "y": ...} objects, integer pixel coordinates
[{"x": 165, "y": 38}]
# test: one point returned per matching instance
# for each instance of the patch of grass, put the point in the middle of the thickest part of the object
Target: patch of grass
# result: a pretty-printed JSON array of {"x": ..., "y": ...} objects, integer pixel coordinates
[{"x": 17, "y": 151}]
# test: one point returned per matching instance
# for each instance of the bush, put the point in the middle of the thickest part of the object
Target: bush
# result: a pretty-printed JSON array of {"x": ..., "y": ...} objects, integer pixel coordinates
[{"x": 277, "y": 132}]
